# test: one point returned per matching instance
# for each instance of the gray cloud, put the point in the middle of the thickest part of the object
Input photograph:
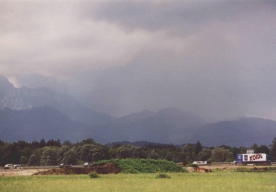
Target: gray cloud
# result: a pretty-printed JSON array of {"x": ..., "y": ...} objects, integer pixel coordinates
[{"x": 216, "y": 59}]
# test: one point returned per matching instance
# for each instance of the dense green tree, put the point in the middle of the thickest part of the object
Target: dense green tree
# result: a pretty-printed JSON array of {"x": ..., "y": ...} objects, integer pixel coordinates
[
  {"x": 10, "y": 154},
  {"x": 242, "y": 149},
  {"x": 264, "y": 149},
  {"x": 112, "y": 152},
  {"x": 26, "y": 152},
  {"x": 52, "y": 143},
  {"x": 67, "y": 142},
  {"x": 35, "y": 145},
  {"x": 23, "y": 160},
  {"x": 93, "y": 152},
  {"x": 38, "y": 153},
  {"x": 61, "y": 151},
  {"x": 2, "y": 143},
  {"x": 22, "y": 144},
  {"x": 221, "y": 155},
  {"x": 123, "y": 152},
  {"x": 198, "y": 148},
  {"x": 204, "y": 155},
  {"x": 169, "y": 156},
  {"x": 179, "y": 157},
  {"x": 137, "y": 152},
  {"x": 49, "y": 156},
  {"x": 33, "y": 160},
  {"x": 255, "y": 147},
  {"x": 99, "y": 152},
  {"x": 42, "y": 143},
  {"x": 87, "y": 141},
  {"x": 273, "y": 150},
  {"x": 153, "y": 155},
  {"x": 88, "y": 151},
  {"x": 235, "y": 151},
  {"x": 189, "y": 149},
  {"x": 2, "y": 163},
  {"x": 71, "y": 157}
]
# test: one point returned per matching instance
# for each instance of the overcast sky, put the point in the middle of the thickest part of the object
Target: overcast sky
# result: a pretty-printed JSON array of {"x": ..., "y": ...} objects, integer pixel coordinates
[{"x": 215, "y": 58}]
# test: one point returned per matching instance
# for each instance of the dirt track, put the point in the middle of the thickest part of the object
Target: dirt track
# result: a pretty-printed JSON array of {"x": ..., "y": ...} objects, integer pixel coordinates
[
  {"x": 100, "y": 169},
  {"x": 29, "y": 172},
  {"x": 19, "y": 172}
]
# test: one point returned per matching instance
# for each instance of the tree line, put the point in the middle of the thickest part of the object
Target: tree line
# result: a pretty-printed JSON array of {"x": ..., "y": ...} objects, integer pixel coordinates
[{"x": 53, "y": 152}]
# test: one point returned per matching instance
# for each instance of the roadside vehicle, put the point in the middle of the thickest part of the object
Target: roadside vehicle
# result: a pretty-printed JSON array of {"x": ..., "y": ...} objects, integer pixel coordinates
[
  {"x": 234, "y": 163},
  {"x": 200, "y": 162},
  {"x": 254, "y": 159},
  {"x": 62, "y": 165},
  {"x": 17, "y": 166},
  {"x": 8, "y": 166},
  {"x": 87, "y": 164}
]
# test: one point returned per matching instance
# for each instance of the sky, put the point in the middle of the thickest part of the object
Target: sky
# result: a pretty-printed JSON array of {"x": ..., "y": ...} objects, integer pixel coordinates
[{"x": 214, "y": 58}]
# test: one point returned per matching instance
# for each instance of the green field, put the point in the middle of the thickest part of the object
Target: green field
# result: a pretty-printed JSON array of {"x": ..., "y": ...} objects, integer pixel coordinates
[{"x": 216, "y": 181}]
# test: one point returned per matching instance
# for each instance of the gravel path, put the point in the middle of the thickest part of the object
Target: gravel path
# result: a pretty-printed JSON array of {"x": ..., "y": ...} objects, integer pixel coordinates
[{"x": 19, "y": 172}]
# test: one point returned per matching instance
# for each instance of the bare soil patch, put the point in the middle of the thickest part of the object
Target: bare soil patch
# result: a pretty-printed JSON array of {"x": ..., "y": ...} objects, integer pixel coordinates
[
  {"x": 19, "y": 172},
  {"x": 100, "y": 169},
  {"x": 227, "y": 167}
]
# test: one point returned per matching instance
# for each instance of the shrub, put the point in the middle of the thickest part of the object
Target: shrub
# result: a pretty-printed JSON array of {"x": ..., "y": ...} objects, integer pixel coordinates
[
  {"x": 163, "y": 175},
  {"x": 93, "y": 175},
  {"x": 144, "y": 165}
]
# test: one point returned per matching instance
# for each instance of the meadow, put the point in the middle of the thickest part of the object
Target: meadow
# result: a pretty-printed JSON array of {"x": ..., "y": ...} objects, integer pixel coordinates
[{"x": 215, "y": 181}]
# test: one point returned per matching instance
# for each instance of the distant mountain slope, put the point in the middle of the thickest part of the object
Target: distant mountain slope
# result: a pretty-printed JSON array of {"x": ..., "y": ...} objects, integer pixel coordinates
[
  {"x": 242, "y": 132},
  {"x": 25, "y": 98},
  {"x": 169, "y": 125},
  {"x": 37, "y": 123},
  {"x": 5, "y": 86},
  {"x": 42, "y": 113},
  {"x": 137, "y": 117}
]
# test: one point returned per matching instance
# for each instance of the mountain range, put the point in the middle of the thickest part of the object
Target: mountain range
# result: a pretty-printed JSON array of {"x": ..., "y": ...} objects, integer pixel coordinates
[{"x": 33, "y": 114}]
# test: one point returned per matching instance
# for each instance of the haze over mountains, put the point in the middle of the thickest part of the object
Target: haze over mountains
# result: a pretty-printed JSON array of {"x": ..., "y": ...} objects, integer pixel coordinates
[{"x": 33, "y": 114}]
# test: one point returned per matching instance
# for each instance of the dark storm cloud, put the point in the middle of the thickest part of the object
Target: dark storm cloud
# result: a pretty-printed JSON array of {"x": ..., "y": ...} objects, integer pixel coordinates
[
  {"x": 181, "y": 16},
  {"x": 215, "y": 58}
]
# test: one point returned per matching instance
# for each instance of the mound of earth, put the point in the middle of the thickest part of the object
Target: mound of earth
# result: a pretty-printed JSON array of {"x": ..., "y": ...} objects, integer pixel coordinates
[{"x": 100, "y": 169}]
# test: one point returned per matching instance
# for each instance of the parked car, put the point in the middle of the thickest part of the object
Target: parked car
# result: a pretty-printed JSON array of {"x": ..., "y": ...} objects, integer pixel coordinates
[
  {"x": 62, "y": 165},
  {"x": 8, "y": 166},
  {"x": 87, "y": 164},
  {"x": 233, "y": 162},
  {"x": 17, "y": 166}
]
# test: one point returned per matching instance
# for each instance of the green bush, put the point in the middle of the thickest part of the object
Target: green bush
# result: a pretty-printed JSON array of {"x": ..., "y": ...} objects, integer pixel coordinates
[
  {"x": 144, "y": 165},
  {"x": 163, "y": 175},
  {"x": 93, "y": 175}
]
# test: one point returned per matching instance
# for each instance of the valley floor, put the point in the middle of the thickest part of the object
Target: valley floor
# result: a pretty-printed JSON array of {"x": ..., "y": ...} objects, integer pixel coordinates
[{"x": 215, "y": 181}]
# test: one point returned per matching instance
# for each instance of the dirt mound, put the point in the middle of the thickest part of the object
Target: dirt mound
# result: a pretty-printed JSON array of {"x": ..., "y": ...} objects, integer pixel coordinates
[
  {"x": 107, "y": 168},
  {"x": 100, "y": 169},
  {"x": 203, "y": 170}
]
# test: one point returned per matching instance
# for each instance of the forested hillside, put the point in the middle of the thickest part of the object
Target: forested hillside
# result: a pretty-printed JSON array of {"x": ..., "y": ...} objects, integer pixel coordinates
[{"x": 53, "y": 152}]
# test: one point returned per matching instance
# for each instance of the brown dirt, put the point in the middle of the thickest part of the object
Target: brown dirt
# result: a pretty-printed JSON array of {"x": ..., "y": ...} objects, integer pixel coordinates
[
  {"x": 100, "y": 169},
  {"x": 225, "y": 168},
  {"x": 19, "y": 172}
]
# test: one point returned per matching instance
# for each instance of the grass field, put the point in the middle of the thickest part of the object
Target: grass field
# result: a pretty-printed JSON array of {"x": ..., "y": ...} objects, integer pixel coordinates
[{"x": 216, "y": 181}]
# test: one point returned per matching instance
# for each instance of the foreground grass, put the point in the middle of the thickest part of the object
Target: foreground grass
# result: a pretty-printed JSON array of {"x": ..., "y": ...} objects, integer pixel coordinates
[{"x": 224, "y": 181}]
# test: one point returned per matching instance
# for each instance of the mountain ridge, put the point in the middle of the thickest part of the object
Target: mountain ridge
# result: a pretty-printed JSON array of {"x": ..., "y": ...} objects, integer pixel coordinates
[{"x": 63, "y": 116}]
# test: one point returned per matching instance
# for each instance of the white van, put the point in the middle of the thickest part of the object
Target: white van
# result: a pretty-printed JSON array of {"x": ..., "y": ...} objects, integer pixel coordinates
[{"x": 200, "y": 162}]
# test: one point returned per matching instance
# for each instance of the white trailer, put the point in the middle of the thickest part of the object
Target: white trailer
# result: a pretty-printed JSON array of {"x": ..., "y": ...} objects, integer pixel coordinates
[{"x": 255, "y": 158}]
